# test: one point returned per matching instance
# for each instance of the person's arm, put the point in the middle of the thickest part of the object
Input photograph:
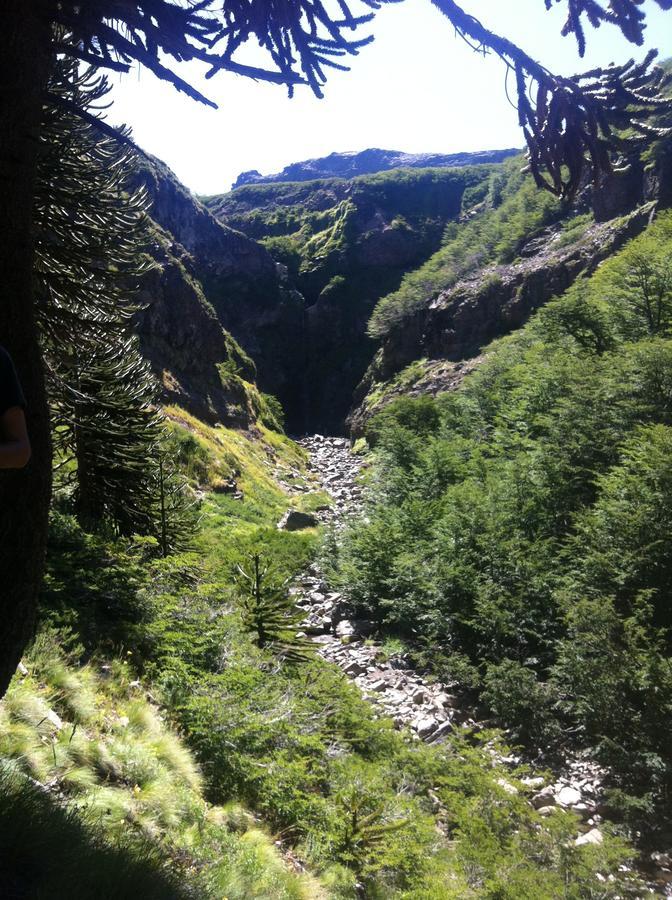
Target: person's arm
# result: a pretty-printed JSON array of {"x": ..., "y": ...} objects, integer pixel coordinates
[{"x": 14, "y": 442}]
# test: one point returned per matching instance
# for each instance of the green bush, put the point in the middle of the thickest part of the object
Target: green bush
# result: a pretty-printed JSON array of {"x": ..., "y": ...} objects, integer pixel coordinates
[{"x": 521, "y": 525}]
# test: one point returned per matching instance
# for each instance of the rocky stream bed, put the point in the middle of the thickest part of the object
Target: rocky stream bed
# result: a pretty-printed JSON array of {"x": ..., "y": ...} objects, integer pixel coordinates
[{"x": 429, "y": 709}]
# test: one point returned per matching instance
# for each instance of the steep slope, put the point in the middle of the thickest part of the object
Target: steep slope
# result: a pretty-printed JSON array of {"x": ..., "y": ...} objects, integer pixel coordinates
[
  {"x": 194, "y": 358},
  {"x": 518, "y": 534},
  {"x": 366, "y": 162},
  {"x": 210, "y": 281},
  {"x": 345, "y": 243},
  {"x": 520, "y": 249}
]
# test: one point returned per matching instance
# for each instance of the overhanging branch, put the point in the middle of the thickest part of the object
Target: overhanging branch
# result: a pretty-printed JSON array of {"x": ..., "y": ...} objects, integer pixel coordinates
[{"x": 573, "y": 124}]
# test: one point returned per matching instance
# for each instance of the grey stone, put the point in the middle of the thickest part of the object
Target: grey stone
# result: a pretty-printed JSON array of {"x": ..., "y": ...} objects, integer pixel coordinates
[
  {"x": 55, "y": 719},
  {"x": 442, "y": 730},
  {"x": 546, "y": 797},
  {"x": 535, "y": 782},
  {"x": 345, "y": 628},
  {"x": 425, "y": 726},
  {"x": 354, "y": 668},
  {"x": 568, "y": 796},
  {"x": 594, "y": 836},
  {"x": 419, "y": 695}
]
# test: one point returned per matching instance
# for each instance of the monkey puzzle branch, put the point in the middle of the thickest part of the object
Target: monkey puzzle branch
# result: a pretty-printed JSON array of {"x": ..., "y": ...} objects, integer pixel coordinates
[
  {"x": 573, "y": 125},
  {"x": 626, "y": 15}
]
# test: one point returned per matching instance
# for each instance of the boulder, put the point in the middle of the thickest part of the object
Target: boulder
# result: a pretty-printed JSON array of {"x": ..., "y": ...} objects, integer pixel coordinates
[
  {"x": 594, "y": 836},
  {"x": 545, "y": 797},
  {"x": 295, "y": 520},
  {"x": 425, "y": 726},
  {"x": 345, "y": 629},
  {"x": 354, "y": 668},
  {"x": 534, "y": 782},
  {"x": 442, "y": 730},
  {"x": 568, "y": 796}
]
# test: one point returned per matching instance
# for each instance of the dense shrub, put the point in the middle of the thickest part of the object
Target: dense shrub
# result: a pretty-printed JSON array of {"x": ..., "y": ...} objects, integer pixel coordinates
[{"x": 523, "y": 523}]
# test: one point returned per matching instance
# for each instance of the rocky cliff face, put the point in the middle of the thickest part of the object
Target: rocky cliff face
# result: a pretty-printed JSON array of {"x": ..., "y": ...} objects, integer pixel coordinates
[
  {"x": 432, "y": 348},
  {"x": 211, "y": 282},
  {"x": 181, "y": 336},
  {"x": 366, "y": 162},
  {"x": 344, "y": 243}
]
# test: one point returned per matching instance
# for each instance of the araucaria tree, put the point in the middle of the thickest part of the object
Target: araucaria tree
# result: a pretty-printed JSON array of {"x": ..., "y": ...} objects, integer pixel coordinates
[
  {"x": 89, "y": 256},
  {"x": 570, "y": 123},
  {"x": 268, "y": 610},
  {"x": 91, "y": 252}
]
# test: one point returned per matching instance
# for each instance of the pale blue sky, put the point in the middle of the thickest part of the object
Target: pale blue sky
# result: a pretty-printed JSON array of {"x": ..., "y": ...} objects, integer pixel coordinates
[{"x": 416, "y": 88}]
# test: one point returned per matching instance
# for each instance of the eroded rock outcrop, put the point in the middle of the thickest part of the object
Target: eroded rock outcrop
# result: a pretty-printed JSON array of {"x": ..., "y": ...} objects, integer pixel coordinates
[
  {"x": 449, "y": 332},
  {"x": 212, "y": 282}
]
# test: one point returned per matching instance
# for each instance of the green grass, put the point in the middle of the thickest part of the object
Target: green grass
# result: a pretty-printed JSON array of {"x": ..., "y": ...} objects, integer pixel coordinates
[{"x": 122, "y": 808}]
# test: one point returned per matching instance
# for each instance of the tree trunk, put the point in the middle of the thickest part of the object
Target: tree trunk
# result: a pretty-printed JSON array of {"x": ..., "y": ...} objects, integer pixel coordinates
[{"x": 24, "y": 494}]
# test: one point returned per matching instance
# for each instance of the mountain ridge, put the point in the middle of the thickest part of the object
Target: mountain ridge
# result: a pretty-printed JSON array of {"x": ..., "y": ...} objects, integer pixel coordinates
[{"x": 349, "y": 164}]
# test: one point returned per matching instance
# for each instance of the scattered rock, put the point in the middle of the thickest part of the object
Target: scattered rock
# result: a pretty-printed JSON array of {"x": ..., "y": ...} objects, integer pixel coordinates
[
  {"x": 354, "y": 668},
  {"x": 594, "y": 836},
  {"x": 295, "y": 520}
]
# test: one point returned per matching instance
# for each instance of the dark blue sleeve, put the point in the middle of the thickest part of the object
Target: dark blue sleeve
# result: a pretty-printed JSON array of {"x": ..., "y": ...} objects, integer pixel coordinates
[{"x": 11, "y": 393}]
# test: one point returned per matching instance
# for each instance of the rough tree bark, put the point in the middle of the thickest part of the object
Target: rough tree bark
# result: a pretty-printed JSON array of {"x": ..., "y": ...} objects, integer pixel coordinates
[{"x": 24, "y": 494}]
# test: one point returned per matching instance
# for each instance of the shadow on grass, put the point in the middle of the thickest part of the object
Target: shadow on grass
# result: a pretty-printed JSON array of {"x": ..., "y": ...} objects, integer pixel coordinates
[{"x": 50, "y": 851}]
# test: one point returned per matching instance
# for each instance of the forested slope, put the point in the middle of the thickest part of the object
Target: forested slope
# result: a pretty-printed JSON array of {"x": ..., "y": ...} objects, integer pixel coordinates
[{"x": 519, "y": 531}]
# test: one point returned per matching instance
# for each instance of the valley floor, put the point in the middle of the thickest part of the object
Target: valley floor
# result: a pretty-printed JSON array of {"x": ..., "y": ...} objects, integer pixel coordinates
[
  {"x": 225, "y": 769},
  {"x": 413, "y": 699}
]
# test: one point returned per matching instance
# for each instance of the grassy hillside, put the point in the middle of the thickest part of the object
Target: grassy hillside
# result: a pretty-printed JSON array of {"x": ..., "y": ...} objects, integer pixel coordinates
[
  {"x": 102, "y": 799},
  {"x": 512, "y": 209}
]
